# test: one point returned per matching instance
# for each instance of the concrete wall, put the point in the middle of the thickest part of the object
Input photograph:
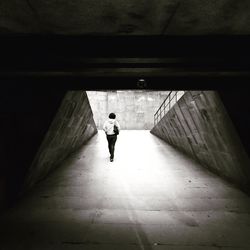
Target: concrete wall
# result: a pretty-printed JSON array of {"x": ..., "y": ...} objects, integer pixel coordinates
[
  {"x": 200, "y": 126},
  {"x": 134, "y": 109},
  {"x": 72, "y": 126}
]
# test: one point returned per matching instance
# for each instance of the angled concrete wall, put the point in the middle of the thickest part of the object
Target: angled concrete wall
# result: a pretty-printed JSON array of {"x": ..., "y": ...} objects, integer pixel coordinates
[
  {"x": 199, "y": 126},
  {"x": 135, "y": 109},
  {"x": 72, "y": 126}
]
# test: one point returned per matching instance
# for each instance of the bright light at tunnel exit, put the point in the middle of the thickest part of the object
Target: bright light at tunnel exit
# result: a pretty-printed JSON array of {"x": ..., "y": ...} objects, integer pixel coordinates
[{"x": 134, "y": 109}]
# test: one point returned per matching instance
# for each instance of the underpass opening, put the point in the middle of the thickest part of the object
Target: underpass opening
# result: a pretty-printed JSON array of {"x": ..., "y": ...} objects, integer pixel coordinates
[
  {"x": 197, "y": 125},
  {"x": 134, "y": 109},
  {"x": 133, "y": 201}
]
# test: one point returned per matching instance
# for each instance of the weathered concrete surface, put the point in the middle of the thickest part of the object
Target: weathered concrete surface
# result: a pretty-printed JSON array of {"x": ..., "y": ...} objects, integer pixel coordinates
[
  {"x": 72, "y": 126},
  {"x": 199, "y": 126},
  {"x": 135, "y": 109},
  {"x": 126, "y": 17},
  {"x": 151, "y": 197}
]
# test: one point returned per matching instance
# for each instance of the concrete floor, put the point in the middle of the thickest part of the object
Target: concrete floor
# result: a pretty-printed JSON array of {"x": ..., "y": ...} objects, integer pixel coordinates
[{"x": 151, "y": 197}]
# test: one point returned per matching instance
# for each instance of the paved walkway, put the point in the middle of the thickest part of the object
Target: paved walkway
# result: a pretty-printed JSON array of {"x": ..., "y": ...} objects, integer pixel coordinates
[{"x": 151, "y": 197}]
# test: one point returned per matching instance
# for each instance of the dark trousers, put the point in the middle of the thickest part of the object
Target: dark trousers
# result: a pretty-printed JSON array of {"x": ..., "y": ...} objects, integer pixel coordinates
[{"x": 111, "y": 143}]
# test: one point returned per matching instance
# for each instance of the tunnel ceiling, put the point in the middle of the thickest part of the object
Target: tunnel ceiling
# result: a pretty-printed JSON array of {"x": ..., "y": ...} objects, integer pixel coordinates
[{"x": 119, "y": 17}]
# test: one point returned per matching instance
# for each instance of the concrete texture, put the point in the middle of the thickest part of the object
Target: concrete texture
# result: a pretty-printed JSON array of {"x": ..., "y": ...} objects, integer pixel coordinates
[
  {"x": 72, "y": 126},
  {"x": 171, "y": 17},
  {"x": 135, "y": 109},
  {"x": 199, "y": 126},
  {"x": 151, "y": 197}
]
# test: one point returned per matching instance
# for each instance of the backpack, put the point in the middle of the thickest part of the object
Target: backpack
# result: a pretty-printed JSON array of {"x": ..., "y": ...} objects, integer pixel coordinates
[{"x": 116, "y": 130}]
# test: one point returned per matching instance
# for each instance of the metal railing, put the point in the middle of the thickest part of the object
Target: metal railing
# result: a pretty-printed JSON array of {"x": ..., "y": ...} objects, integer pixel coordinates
[{"x": 167, "y": 104}]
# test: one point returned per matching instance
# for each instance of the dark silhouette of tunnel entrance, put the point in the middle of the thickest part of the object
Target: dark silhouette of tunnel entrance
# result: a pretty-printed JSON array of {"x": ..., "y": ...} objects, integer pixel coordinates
[{"x": 154, "y": 197}]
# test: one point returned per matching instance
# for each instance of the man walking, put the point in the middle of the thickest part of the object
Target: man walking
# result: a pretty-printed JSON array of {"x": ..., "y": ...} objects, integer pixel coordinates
[{"x": 108, "y": 127}]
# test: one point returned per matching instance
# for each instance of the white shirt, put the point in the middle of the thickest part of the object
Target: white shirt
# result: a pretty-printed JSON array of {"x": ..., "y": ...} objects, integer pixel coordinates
[{"x": 108, "y": 126}]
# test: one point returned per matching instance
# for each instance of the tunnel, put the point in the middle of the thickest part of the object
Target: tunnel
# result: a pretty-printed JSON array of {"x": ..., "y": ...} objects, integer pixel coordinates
[
  {"x": 176, "y": 74},
  {"x": 180, "y": 178}
]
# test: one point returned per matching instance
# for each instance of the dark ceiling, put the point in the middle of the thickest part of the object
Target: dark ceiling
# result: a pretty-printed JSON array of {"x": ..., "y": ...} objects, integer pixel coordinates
[
  {"x": 65, "y": 41},
  {"x": 118, "y": 17}
]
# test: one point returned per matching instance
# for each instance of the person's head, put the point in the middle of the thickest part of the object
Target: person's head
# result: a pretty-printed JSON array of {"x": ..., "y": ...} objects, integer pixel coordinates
[{"x": 112, "y": 116}]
